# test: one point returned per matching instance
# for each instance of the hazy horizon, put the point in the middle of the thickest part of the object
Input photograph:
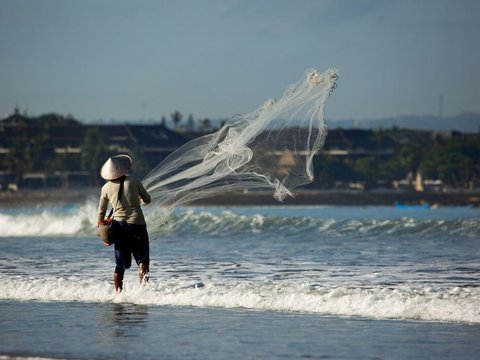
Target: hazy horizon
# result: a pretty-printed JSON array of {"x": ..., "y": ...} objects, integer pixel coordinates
[{"x": 468, "y": 122}]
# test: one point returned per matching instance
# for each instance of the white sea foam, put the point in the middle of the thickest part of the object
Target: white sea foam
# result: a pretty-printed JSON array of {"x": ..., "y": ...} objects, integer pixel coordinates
[
  {"x": 451, "y": 305},
  {"x": 290, "y": 260},
  {"x": 80, "y": 220},
  {"x": 49, "y": 221}
]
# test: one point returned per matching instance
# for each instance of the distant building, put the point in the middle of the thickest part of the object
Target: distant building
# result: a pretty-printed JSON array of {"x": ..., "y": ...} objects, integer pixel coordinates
[
  {"x": 356, "y": 143},
  {"x": 36, "y": 153},
  {"x": 56, "y": 151}
]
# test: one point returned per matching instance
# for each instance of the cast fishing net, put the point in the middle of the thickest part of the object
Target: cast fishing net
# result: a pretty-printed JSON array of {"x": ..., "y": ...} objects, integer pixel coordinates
[{"x": 271, "y": 148}]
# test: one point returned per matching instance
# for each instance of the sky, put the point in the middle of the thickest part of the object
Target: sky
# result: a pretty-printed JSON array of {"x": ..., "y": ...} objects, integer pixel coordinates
[{"x": 139, "y": 60}]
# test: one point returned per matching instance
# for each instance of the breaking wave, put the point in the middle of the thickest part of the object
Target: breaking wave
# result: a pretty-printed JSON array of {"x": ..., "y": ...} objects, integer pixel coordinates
[
  {"x": 234, "y": 224},
  {"x": 356, "y": 281},
  {"x": 453, "y": 305},
  {"x": 62, "y": 221},
  {"x": 80, "y": 221}
]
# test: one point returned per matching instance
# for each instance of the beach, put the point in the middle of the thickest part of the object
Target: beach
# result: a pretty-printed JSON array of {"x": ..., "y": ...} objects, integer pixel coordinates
[
  {"x": 346, "y": 282},
  {"x": 113, "y": 331},
  {"x": 256, "y": 198}
]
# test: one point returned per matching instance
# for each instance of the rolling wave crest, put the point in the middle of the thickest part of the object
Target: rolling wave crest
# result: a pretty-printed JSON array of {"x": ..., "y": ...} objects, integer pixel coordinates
[{"x": 81, "y": 221}]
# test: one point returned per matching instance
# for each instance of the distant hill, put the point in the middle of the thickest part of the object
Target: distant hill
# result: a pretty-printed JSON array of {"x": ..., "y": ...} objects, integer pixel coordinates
[{"x": 464, "y": 122}]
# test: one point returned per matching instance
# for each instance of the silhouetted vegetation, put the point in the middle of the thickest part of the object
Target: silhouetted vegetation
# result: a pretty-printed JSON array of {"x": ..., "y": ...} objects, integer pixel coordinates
[
  {"x": 53, "y": 143},
  {"x": 452, "y": 158}
]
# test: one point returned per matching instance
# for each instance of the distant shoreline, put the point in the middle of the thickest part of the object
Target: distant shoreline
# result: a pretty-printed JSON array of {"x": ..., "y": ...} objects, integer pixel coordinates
[{"x": 305, "y": 198}]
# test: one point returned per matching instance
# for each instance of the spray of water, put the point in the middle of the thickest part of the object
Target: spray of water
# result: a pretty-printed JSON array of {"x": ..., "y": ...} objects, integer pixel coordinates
[{"x": 270, "y": 148}]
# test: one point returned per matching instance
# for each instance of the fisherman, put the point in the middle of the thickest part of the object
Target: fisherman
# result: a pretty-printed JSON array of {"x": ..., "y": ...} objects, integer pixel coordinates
[{"x": 133, "y": 239}]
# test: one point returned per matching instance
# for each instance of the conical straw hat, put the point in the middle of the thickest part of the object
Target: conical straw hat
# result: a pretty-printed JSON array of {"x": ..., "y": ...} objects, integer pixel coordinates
[{"x": 115, "y": 167}]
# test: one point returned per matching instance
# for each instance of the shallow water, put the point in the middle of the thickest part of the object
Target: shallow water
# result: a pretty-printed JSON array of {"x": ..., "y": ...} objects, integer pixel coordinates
[
  {"x": 330, "y": 267},
  {"x": 120, "y": 330}
]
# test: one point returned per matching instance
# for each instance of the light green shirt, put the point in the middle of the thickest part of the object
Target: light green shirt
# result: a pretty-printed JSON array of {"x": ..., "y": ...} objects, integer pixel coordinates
[{"x": 128, "y": 207}]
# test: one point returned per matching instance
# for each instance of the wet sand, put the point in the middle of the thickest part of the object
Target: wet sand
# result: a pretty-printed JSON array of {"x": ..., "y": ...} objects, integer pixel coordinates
[{"x": 116, "y": 330}]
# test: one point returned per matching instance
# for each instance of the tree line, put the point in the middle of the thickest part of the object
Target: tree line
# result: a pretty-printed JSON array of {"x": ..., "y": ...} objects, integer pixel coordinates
[{"x": 453, "y": 159}]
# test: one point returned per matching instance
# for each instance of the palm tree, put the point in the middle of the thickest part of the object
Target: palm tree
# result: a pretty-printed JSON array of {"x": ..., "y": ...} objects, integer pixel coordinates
[
  {"x": 206, "y": 124},
  {"x": 176, "y": 118}
]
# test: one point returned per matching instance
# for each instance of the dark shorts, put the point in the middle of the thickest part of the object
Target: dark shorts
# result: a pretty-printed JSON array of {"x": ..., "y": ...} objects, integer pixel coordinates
[{"x": 134, "y": 241}]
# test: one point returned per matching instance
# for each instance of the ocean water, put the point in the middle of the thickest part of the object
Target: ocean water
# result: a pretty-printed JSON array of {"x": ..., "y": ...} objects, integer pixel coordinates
[{"x": 245, "y": 282}]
